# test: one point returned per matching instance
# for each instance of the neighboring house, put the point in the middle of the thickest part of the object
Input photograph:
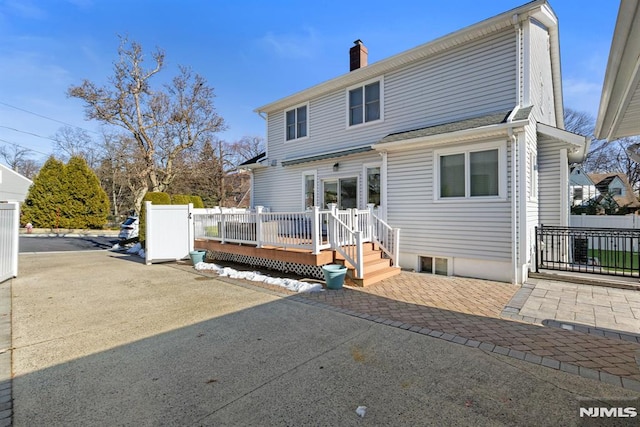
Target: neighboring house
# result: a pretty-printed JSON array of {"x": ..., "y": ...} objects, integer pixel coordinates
[
  {"x": 617, "y": 186},
  {"x": 459, "y": 142},
  {"x": 13, "y": 186},
  {"x": 619, "y": 113},
  {"x": 582, "y": 190}
]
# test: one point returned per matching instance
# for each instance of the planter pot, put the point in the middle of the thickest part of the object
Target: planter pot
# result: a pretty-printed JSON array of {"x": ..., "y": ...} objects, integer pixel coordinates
[
  {"x": 334, "y": 275},
  {"x": 197, "y": 256}
]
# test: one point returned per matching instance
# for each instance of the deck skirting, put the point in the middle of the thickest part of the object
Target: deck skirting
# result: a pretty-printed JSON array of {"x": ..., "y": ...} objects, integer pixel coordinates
[{"x": 299, "y": 262}]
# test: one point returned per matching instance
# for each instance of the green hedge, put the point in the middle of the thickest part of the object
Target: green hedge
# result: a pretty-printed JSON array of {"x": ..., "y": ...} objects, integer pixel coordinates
[
  {"x": 156, "y": 198},
  {"x": 66, "y": 196},
  {"x": 197, "y": 202},
  {"x": 180, "y": 199}
]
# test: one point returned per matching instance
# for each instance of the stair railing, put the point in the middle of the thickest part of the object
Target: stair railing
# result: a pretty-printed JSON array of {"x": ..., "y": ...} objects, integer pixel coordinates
[
  {"x": 346, "y": 241},
  {"x": 385, "y": 236}
]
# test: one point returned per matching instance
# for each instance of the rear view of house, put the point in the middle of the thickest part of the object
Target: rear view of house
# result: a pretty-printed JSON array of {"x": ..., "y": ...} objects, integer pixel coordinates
[{"x": 458, "y": 142}]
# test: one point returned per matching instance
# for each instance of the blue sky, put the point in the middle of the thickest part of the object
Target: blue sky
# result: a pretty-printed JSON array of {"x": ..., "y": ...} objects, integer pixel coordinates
[{"x": 251, "y": 52}]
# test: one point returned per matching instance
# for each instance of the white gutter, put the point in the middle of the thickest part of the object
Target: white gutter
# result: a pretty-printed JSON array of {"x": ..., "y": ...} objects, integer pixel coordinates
[{"x": 623, "y": 71}]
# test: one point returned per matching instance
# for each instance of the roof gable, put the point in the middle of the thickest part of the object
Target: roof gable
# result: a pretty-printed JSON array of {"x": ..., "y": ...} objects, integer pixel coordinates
[
  {"x": 604, "y": 181},
  {"x": 538, "y": 9}
]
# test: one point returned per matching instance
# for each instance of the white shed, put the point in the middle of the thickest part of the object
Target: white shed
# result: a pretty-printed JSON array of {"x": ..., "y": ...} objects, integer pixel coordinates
[{"x": 13, "y": 186}]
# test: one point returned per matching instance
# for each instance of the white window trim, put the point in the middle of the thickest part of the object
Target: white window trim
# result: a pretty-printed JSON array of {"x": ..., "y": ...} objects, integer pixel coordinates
[
  {"x": 338, "y": 177},
  {"x": 295, "y": 107},
  {"x": 365, "y": 190},
  {"x": 433, "y": 257},
  {"x": 501, "y": 146},
  {"x": 363, "y": 84},
  {"x": 313, "y": 173}
]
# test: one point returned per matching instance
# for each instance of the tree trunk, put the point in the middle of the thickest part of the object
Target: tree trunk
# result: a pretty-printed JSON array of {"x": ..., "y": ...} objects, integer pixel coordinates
[{"x": 138, "y": 195}]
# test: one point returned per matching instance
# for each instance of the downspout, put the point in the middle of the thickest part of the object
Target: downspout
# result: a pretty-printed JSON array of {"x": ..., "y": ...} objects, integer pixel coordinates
[
  {"x": 517, "y": 26},
  {"x": 251, "y": 190},
  {"x": 383, "y": 186},
  {"x": 514, "y": 206},
  {"x": 265, "y": 117}
]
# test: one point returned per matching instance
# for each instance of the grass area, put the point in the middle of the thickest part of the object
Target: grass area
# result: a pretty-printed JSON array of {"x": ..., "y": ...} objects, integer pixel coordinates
[
  {"x": 615, "y": 259},
  {"x": 211, "y": 231}
]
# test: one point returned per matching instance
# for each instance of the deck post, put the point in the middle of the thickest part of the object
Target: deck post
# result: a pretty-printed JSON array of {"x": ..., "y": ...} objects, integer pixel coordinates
[
  {"x": 353, "y": 217},
  {"x": 333, "y": 230},
  {"x": 372, "y": 232},
  {"x": 315, "y": 230},
  {"x": 359, "y": 256},
  {"x": 396, "y": 247},
  {"x": 259, "y": 226},
  {"x": 222, "y": 227}
]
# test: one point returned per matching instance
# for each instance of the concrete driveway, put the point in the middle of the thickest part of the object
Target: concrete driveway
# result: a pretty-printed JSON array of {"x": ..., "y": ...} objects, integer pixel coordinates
[
  {"x": 43, "y": 243},
  {"x": 101, "y": 339}
]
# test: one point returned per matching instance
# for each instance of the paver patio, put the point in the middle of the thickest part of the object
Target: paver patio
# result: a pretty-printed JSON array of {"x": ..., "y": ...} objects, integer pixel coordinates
[{"x": 468, "y": 311}]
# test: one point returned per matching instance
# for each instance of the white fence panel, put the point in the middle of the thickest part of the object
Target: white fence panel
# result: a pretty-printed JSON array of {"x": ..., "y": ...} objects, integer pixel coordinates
[
  {"x": 605, "y": 221},
  {"x": 9, "y": 229},
  {"x": 169, "y": 232}
]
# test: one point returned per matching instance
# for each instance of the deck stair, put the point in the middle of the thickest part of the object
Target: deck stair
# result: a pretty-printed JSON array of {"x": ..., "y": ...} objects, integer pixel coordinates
[{"x": 376, "y": 267}]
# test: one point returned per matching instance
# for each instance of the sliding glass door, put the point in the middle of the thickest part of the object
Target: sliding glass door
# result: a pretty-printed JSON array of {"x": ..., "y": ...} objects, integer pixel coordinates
[{"x": 343, "y": 191}]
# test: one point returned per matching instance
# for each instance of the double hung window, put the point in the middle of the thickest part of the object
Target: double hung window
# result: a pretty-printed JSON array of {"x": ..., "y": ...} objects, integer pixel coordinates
[
  {"x": 296, "y": 123},
  {"x": 365, "y": 103},
  {"x": 472, "y": 172}
]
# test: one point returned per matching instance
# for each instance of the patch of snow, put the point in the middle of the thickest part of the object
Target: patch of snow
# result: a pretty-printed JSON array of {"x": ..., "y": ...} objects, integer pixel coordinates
[
  {"x": 136, "y": 250},
  {"x": 255, "y": 276},
  {"x": 115, "y": 247}
]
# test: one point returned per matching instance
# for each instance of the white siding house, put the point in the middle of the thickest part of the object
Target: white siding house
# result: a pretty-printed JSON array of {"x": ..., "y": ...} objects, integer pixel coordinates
[
  {"x": 581, "y": 188},
  {"x": 459, "y": 141},
  {"x": 13, "y": 186}
]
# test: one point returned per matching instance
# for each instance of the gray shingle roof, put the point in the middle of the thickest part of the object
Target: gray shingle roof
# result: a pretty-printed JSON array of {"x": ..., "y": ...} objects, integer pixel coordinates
[
  {"x": 330, "y": 155},
  {"x": 474, "y": 122}
]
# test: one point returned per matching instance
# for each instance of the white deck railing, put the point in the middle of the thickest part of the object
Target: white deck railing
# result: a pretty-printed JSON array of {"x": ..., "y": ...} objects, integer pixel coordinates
[{"x": 342, "y": 230}]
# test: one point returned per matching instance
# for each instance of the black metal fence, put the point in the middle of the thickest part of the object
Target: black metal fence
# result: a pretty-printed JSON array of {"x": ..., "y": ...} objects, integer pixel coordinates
[{"x": 610, "y": 251}]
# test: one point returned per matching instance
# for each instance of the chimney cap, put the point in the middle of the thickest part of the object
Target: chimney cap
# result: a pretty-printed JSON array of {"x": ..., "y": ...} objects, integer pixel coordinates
[{"x": 357, "y": 42}]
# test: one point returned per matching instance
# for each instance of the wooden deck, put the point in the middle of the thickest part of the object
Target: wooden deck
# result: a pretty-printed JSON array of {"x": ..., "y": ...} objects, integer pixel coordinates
[
  {"x": 376, "y": 268},
  {"x": 298, "y": 256}
]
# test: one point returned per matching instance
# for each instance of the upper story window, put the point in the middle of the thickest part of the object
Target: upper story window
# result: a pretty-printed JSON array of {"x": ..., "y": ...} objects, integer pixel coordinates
[
  {"x": 615, "y": 191},
  {"x": 296, "y": 123},
  {"x": 365, "y": 103}
]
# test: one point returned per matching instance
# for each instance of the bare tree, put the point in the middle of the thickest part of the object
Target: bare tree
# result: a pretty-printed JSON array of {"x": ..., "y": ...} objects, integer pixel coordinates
[
  {"x": 579, "y": 122},
  {"x": 604, "y": 156},
  {"x": 75, "y": 142},
  {"x": 245, "y": 148},
  {"x": 28, "y": 168},
  {"x": 18, "y": 159},
  {"x": 163, "y": 123}
]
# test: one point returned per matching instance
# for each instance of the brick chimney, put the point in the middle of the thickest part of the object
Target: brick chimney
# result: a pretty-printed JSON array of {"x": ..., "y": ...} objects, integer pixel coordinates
[{"x": 358, "y": 55}]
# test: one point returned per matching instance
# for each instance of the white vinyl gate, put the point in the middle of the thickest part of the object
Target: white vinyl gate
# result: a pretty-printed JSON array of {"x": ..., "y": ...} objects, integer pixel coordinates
[
  {"x": 169, "y": 232},
  {"x": 9, "y": 229}
]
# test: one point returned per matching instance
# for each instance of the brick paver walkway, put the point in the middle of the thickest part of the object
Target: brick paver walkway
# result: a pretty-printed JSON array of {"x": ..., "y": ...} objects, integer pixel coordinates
[
  {"x": 470, "y": 309},
  {"x": 468, "y": 312}
]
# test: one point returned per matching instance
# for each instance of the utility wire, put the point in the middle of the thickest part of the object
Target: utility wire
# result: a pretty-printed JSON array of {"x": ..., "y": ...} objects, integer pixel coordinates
[
  {"x": 28, "y": 133},
  {"x": 48, "y": 118},
  {"x": 22, "y": 146}
]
